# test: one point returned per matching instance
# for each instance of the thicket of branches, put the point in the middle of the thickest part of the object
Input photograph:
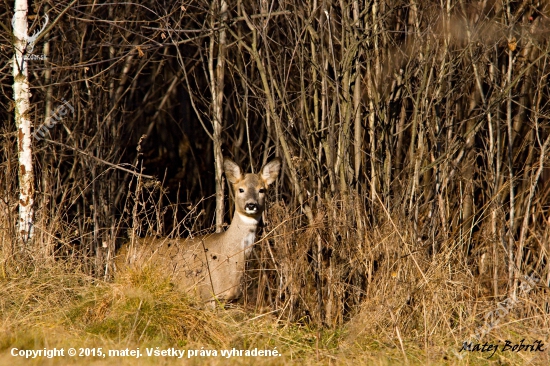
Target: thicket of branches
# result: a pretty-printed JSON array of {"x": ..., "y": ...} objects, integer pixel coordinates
[{"x": 414, "y": 134}]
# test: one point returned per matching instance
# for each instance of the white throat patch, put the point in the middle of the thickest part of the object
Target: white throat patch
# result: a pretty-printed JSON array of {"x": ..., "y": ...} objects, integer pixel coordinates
[
  {"x": 247, "y": 219},
  {"x": 248, "y": 241}
]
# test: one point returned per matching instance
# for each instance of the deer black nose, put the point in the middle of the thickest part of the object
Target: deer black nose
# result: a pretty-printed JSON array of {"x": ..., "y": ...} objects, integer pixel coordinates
[{"x": 251, "y": 207}]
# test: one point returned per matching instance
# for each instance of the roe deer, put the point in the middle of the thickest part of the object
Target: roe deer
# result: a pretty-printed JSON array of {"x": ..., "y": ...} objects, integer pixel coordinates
[{"x": 212, "y": 266}]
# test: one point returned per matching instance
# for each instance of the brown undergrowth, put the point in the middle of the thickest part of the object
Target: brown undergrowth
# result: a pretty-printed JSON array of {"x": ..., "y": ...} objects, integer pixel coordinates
[{"x": 385, "y": 299}]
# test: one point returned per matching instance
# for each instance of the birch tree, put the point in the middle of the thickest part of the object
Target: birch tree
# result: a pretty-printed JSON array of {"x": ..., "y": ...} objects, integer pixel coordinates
[{"x": 23, "y": 122}]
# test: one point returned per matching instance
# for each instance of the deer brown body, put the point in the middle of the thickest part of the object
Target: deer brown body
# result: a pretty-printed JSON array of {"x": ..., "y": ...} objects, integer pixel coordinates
[{"x": 211, "y": 267}]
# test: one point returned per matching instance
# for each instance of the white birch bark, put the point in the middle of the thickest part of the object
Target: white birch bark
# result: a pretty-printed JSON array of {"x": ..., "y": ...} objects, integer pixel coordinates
[{"x": 24, "y": 147}]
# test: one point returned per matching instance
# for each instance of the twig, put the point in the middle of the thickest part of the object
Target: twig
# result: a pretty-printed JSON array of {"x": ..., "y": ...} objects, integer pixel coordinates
[{"x": 101, "y": 160}]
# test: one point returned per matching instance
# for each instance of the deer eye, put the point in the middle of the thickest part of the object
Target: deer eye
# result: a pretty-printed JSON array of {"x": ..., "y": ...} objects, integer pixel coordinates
[
  {"x": 262, "y": 190},
  {"x": 241, "y": 190}
]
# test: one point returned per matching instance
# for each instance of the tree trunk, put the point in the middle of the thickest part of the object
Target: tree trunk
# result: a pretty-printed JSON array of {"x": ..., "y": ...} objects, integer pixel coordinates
[
  {"x": 217, "y": 84},
  {"x": 21, "y": 96}
]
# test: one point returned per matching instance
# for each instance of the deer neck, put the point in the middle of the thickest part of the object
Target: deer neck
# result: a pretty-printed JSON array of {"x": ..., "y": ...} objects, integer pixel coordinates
[{"x": 242, "y": 232}]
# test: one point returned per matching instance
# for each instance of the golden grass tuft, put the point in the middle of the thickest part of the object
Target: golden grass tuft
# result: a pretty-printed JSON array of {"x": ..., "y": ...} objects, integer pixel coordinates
[{"x": 51, "y": 307}]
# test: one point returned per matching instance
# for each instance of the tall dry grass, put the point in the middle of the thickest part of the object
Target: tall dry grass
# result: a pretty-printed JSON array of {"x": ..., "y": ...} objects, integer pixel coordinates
[{"x": 386, "y": 302}]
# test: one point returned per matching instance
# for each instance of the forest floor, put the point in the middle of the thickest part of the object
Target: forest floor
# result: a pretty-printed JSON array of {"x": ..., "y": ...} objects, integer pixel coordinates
[{"x": 139, "y": 319}]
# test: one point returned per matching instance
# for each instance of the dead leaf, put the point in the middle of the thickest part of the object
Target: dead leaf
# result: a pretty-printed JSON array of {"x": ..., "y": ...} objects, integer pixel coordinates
[{"x": 512, "y": 44}]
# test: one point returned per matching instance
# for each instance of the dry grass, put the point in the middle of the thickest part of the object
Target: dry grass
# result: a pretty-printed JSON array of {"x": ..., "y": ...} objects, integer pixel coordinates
[
  {"x": 385, "y": 300},
  {"x": 417, "y": 310},
  {"x": 54, "y": 308}
]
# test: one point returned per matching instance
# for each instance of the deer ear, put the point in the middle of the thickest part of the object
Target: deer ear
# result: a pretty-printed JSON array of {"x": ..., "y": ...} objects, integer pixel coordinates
[
  {"x": 232, "y": 170},
  {"x": 270, "y": 171}
]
